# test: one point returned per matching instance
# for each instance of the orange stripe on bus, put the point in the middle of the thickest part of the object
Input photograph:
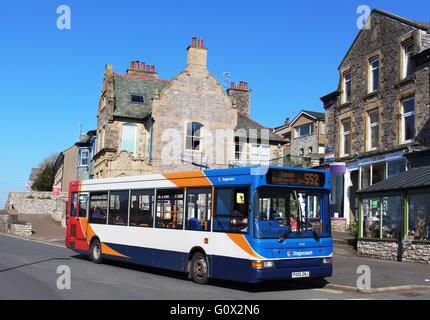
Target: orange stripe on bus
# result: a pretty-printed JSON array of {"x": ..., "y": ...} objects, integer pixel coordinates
[
  {"x": 107, "y": 250},
  {"x": 240, "y": 241},
  {"x": 188, "y": 179}
]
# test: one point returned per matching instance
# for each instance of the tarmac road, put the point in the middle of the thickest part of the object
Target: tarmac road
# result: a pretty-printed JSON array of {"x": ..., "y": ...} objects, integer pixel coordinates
[{"x": 28, "y": 270}]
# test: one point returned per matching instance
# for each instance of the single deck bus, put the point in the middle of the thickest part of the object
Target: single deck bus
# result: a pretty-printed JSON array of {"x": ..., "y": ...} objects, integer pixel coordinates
[{"x": 242, "y": 224}]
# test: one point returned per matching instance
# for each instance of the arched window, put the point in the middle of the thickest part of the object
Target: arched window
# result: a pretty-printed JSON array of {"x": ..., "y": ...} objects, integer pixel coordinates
[
  {"x": 128, "y": 138},
  {"x": 193, "y": 139}
]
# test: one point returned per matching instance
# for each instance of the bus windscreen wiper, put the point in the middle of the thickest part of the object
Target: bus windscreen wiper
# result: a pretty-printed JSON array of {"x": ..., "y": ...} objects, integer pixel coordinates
[
  {"x": 316, "y": 235},
  {"x": 284, "y": 236}
]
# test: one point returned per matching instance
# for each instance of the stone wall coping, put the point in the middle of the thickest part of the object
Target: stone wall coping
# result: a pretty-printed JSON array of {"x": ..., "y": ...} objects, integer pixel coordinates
[{"x": 393, "y": 241}]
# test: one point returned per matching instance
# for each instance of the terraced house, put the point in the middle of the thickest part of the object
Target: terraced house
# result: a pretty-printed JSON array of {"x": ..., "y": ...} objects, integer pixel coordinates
[
  {"x": 379, "y": 112},
  {"x": 147, "y": 124}
]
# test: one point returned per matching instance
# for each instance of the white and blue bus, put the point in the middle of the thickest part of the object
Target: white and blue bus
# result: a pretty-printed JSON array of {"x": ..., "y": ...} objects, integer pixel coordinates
[{"x": 243, "y": 224}]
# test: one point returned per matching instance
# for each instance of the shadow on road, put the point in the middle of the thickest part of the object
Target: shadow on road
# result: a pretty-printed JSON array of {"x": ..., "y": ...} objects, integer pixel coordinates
[
  {"x": 32, "y": 263},
  {"x": 270, "y": 286}
]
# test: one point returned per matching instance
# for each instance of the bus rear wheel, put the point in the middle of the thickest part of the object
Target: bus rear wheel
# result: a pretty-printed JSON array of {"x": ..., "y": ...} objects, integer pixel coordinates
[
  {"x": 96, "y": 251},
  {"x": 199, "y": 268}
]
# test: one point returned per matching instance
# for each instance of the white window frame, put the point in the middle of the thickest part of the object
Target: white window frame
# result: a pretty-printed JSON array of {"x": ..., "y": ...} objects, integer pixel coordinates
[
  {"x": 257, "y": 154},
  {"x": 405, "y": 115},
  {"x": 200, "y": 137},
  {"x": 344, "y": 85},
  {"x": 369, "y": 130},
  {"x": 135, "y": 137},
  {"x": 371, "y": 77},
  {"x": 81, "y": 151},
  {"x": 298, "y": 133},
  {"x": 342, "y": 137},
  {"x": 406, "y": 56}
]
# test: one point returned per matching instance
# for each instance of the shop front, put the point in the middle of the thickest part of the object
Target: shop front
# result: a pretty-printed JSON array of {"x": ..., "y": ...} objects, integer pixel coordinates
[{"x": 394, "y": 217}]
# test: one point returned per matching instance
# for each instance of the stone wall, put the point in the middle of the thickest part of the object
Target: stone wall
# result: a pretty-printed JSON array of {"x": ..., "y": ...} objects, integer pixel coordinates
[
  {"x": 34, "y": 202},
  {"x": 21, "y": 230},
  {"x": 387, "y": 250}
]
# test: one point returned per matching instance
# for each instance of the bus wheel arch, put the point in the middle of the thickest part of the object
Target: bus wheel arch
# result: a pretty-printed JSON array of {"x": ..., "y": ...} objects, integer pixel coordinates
[
  {"x": 198, "y": 265},
  {"x": 96, "y": 250}
]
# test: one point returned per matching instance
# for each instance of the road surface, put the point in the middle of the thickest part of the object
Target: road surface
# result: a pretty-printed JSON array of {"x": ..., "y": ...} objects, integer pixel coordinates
[{"x": 28, "y": 270}]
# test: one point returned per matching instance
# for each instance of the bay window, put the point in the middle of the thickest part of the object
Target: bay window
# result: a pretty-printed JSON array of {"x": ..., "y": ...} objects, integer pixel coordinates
[{"x": 128, "y": 138}]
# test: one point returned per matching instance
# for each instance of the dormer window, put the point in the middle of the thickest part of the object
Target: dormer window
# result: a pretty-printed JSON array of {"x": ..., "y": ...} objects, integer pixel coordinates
[{"x": 136, "y": 98}]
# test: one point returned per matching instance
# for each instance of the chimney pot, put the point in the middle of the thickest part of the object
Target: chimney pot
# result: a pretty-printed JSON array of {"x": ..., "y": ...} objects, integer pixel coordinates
[
  {"x": 142, "y": 66},
  {"x": 241, "y": 85},
  {"x": 194, "y": 42},
  {"x": 232, "y": 85},
  {"x": 200, "y": 43},
  {"x": 148, "y": 67},
  {"x": 132, "y": 65},
  {"x": 153, "y": 68},
  {"x": 137, "y": 65},
  {"x": 245, "y": 86}
]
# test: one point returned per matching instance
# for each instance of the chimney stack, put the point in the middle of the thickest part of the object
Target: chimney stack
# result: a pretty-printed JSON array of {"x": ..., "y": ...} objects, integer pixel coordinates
[
  {"x": 240, "y": 96},
  {"x": 197, "y": 56},
  {"x": 140, "y": 68}
]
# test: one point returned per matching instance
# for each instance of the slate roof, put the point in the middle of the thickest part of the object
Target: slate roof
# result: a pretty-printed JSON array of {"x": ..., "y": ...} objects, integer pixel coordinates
[
  {"x": 316, "y": 115},
  {"x": 127, "y": 84},
  {"x": 246, "y": 123},
  {"x": 412, "y": 179}
]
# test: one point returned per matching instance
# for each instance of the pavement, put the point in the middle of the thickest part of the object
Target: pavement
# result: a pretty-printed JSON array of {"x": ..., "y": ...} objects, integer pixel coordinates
[
  {"x": 28, "y": 270},
  {"x": 44, "y": 227}
]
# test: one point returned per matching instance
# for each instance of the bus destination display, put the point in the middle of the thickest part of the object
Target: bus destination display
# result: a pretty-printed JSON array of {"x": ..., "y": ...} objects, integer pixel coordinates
[{"x": 295, "y": 178}]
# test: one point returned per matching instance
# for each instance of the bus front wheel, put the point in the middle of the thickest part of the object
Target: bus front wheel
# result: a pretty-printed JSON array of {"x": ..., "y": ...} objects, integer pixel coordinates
[
  {"x": 96, "y": 251},
  {"x": 199, "y": 268}
]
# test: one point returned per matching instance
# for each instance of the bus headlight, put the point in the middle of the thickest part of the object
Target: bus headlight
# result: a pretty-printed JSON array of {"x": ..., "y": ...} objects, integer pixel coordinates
[
  {"x": 262, "y": 264},
  {"x": 327, "y": 260}
]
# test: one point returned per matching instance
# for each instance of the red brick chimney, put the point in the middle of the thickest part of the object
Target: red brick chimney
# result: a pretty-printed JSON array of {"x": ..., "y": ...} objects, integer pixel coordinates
[{"x": 140, "y": 68}]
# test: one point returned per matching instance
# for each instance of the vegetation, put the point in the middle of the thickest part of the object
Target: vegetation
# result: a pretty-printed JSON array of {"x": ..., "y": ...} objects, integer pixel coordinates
[{"x": 45, "y": 180}]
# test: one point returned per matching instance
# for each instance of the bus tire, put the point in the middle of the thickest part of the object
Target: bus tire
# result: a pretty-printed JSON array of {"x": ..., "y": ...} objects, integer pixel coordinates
[
  {"x": 96, "y": 251},
  {"x": 199, "y": 268}
]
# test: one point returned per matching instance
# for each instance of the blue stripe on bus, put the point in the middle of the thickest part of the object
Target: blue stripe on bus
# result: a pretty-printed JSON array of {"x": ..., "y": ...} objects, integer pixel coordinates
[{"x": 220, "y": 267}]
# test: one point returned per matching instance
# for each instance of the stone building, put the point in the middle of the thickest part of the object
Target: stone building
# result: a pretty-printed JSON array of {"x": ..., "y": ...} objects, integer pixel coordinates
[
  {"x": 380, "y": 109},
  {"x": 147, "y": 124},
  {"x": 306, "y": 136},
  {"x": 75, "y": 163}
]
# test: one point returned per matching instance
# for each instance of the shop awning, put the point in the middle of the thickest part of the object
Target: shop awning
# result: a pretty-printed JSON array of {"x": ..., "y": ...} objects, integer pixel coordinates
[{"x": 412, "y": 179}]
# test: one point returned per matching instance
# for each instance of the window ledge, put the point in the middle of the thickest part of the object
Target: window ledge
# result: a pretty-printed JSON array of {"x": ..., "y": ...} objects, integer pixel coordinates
[
  {"x": 374, "y": 94},
  {"x": 406, "y": 81},
  {"x": 345, "y": 104}
]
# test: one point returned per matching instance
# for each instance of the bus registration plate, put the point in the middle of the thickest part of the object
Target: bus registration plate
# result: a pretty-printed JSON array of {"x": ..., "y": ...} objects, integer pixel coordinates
[{"x": 304, "y": 274}]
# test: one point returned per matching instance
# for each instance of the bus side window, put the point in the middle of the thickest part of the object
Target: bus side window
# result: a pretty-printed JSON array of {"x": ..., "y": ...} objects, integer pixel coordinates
[
  {"x": 198, "y": 212},
  {"x": 74, "y": 204},
  {"x": 231, "y": 210},
  {"x": 83, "y": 205},
  {"x": 141, "y": 214},
  {"x": 98, "y": 208}
]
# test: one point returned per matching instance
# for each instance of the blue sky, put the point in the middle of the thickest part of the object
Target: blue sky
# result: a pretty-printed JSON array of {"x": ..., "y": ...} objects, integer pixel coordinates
[{"x": 50, "y": 79}]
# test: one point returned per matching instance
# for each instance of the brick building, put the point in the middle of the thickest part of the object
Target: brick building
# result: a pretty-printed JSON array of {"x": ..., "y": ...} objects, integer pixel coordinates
[
  {"x": 380, "y": 109},
  {"x": 147, "y": 124}
]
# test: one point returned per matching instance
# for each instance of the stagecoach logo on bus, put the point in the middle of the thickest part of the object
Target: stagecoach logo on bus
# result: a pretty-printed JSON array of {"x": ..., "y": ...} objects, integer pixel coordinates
[{"x": 300, "y": 253}]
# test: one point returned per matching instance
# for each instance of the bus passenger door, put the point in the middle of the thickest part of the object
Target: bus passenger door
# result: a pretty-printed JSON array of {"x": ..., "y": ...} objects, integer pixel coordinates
[{"x": 78, "y": 221}]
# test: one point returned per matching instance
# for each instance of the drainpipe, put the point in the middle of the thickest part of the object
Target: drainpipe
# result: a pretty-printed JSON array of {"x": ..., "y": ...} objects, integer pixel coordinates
[{"x": 150, "y": 143}]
